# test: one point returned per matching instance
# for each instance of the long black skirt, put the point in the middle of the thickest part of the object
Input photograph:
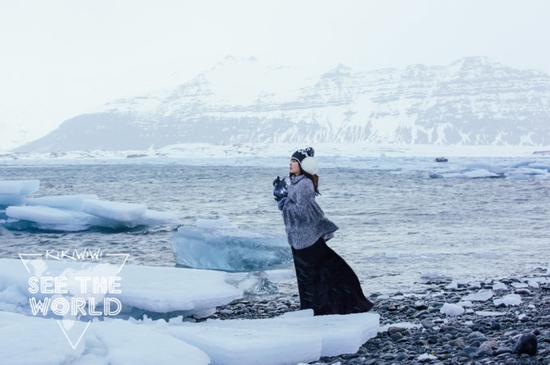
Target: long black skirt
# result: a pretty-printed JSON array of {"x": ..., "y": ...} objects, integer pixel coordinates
[{"x": 326, "y": 283}]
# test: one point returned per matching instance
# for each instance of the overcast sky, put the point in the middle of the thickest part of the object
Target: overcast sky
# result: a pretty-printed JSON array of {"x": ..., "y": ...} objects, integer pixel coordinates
[{"x": 61, "y": 58}]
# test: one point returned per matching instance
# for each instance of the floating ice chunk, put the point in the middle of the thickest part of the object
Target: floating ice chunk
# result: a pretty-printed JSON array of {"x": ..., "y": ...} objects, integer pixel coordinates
[
  {"x": 481, "y": 173},
  {"x": 13, "y": 192},
  {"x": 497, "y": 285},
  {"x": 405, "y": 325},
  {"x": 465, "y": 303},
  {"x": 71, "y": 202},
  {"x": 525, "y": 172},
  {"x": 82, "y": 212},
  {"x": 228, "y": 248},
  {"x": 539, "y": 165},
  {"x": 521, "y": 170},
  {"x": 53, "y": 218},
  {"x": 147, "y": 288},
  {"x": 533, "y": 284},
  {"x": 122, "y": 212},
  {"x": 451, "y": 310},
  {"x": 426, "y": 357},
  {"x": 474, "y": 284},
  {"x": 519, "y": 285},
  {"x": 508, "y": 300},
  {"x": 480, "y": 296},
  {"x": 489, "y": 313},
  {"x": 279, "y": 340},
  {"x": 32, "y": 340},
  {"x": 453, "y": 285},
  {"x": 471, "y": 174},
  {"x": 538, "y": 280}
]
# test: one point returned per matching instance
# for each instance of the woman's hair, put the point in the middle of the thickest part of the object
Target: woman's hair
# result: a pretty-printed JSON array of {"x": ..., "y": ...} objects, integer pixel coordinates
[{"x": 313, "y": 178}]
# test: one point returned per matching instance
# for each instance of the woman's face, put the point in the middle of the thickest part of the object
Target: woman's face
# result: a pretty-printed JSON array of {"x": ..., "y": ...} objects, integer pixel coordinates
[{"x": 295, "y": 167}]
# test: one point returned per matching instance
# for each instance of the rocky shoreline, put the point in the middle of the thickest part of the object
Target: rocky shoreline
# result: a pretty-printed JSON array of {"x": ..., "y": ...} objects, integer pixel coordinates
[{"x": 444, "y": 322}]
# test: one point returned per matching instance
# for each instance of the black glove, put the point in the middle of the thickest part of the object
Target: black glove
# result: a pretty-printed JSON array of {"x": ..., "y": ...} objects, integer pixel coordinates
[{"x": 279, "y": 188}]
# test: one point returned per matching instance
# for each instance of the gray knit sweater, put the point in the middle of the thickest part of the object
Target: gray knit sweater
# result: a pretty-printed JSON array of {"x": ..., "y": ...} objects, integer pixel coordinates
[{"x": 305, "y": 221}]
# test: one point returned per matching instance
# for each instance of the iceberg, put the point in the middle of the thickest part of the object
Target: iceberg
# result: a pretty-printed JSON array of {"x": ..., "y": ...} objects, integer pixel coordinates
[
  {"x": 144, "y": 289},
  {"x": 469, "y": 174},
  {"x": 121, "y": 212},
  {"x": 482, "y": 295},
  {"x": 452, "y": 310},
  {"x": 31, "y": 340},
  {"x": 508, "y": 300},
  {"x": 216, "y": 244},
  {"x": 291, "y": 338},
  {"x": 69, "y": 213},
  {"x": 13, "y": 192},
  {"x": 404, "y": 325},
  {"x": 522, "y": 170},
  {"x": 497, "y": 285},
  {"x": 490, "y": 313},
  {"x": 287, "y": 339},
  {"x": 54, "y": 219}
]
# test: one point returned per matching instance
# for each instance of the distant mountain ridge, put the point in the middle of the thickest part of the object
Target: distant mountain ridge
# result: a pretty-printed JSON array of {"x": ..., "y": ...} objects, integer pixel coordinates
[{"x": 473, "y": 101}]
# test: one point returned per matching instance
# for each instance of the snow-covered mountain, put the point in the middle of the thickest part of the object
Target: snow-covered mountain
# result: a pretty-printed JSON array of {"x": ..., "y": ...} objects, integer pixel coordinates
[{"x": 473, "y": 101}]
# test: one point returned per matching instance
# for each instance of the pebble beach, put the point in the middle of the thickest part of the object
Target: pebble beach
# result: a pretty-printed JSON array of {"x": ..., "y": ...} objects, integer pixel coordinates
[{"x": 442, "y": 321}]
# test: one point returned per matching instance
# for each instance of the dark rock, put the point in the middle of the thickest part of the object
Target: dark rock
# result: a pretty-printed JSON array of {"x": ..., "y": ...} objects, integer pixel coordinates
[
  {"x": 396, "y": 336},
  {"x": 459, "y": 342},
  {"x": 523, "y": 291},
  {"x": 432, "y": 339},
  {"x": 526, "y": 344},
  {"x": 469, "y": 351},
  {"x": 400, "y": 356}
]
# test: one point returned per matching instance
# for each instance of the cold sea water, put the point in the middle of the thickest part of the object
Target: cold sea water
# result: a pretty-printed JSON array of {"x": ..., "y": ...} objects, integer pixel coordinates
[{"x": 399, "y": 218}]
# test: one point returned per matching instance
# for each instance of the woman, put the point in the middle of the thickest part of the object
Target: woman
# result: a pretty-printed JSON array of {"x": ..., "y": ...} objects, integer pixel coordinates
[{"x": 326, "y": 283}]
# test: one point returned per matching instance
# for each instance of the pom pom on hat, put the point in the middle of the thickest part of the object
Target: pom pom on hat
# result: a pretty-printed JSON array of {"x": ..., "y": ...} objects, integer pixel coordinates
[{"x": 306, "y": 160}]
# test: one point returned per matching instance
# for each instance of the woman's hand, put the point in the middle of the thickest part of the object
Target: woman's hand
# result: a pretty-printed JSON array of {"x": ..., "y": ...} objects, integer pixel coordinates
[
  {"x": 282, "y": 203},
  {"x": 280, "y": 190}
]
